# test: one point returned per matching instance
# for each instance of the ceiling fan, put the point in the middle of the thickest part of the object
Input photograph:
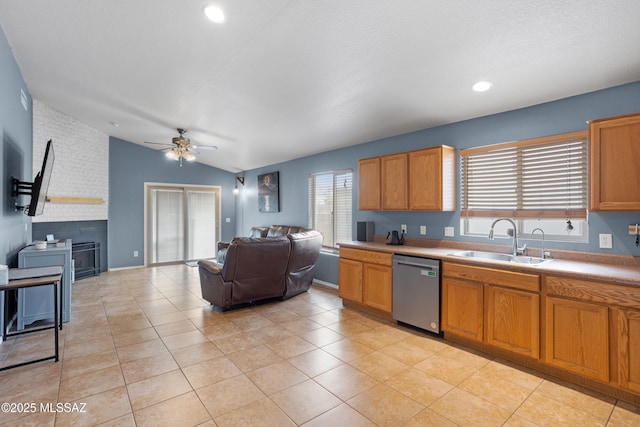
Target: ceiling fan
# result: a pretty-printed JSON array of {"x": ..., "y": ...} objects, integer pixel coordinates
[{"x": 181, "y": 148}]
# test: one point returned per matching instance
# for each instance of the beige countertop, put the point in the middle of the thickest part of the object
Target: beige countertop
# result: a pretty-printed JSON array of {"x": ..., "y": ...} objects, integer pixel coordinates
[{"x": 592, "y": 268}]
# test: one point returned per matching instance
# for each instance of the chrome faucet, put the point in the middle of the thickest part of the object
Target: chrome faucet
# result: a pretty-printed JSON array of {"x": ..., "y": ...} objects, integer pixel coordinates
[
  {"x": 541, "y": 246},
  {"x": 513, "y": 232}
]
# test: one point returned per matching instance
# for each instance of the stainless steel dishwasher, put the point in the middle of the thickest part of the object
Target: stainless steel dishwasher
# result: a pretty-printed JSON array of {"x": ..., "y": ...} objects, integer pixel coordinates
[{"x": 416, "y": 291}]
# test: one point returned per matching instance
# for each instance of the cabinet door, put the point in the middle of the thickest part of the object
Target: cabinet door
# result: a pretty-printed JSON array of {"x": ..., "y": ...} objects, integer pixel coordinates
[
  {"x": 462, "y": 308},
  {"x": 395, "y": 181},
  {"x": 614, "y": 160},
  {"x": 629, "y": 349},
  {"x": 377, "y": 292},
  {"x": 369, "y": 184},
  {"x": 513, "y": 320},
  {"x": 432, "y": 184},
  {"x": 425, "y": 180},
  {"x": 577, "y": 337},
  {"x": 350, "y": 280}
]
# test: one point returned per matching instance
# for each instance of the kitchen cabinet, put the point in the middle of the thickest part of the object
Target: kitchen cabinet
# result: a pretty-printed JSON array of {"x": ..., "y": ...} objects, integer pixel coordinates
[
  {"x": 365, "y": 277},
  {"x": 350, "y": 279},
  {"x": 432, "y": 179},
  {"x": 395, "y": 181},
  {"x": 416, "y": 180},
  {"x": 369, "y": 184},
  {"x": 499, "y": 307},
  {"x": 513, "y": 320},
  {"x": 578, "y": 337},
  {"x": 629, "y": 348},
  {"x": 614, "y": 163},
  {"x": 462, "y": 307}
]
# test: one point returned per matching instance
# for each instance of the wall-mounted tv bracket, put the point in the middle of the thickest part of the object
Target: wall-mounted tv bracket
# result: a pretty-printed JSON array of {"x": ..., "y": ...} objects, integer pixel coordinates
[{"x": 21, "y": 188}]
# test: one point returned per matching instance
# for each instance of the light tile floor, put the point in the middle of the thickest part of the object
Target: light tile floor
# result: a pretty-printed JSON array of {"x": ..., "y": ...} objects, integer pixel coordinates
[{"x": 144, "y": 349}]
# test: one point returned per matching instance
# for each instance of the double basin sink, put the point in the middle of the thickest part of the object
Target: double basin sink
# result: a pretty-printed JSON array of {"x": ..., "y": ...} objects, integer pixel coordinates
[{"x": 492, "y": 256}]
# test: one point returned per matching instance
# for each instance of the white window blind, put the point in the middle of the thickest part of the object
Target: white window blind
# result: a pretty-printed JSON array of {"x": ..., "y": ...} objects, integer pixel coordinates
[
  {"x": 536, "y": 178},
  {"x": 330, "y": 198}
]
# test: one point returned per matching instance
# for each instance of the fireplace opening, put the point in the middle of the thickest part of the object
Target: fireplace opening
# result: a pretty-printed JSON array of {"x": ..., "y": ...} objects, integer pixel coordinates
[{"x": 86, "y": 259}]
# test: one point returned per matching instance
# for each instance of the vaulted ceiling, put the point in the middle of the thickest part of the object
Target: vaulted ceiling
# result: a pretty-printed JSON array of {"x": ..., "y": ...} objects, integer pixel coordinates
[{"x": 282, "y": 79}]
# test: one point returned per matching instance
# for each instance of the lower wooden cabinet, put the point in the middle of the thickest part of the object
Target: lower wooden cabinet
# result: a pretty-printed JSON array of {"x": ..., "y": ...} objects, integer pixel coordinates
[
  {"x": 499, "y": 307},
  {"x": 462, "y": 307},
  {"x": 628, "y": 326},
  {"x": 513, "y": 320},
  {"x": 578, "y": 337},
  {"x": 350, "y": 280},
  {"x": 366, "y": 277},
  {"x": 377, "y": 291}
]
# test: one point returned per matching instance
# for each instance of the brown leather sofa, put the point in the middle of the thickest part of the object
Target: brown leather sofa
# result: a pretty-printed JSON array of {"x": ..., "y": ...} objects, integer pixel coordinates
[{"x": 279, "y": 265}]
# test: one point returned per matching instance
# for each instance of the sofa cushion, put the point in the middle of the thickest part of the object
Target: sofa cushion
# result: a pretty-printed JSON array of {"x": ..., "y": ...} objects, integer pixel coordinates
[
  {"x": 305, "y": 249},
  {"x": 257, "y": 267},
  {"x": 283, "y": 230}
]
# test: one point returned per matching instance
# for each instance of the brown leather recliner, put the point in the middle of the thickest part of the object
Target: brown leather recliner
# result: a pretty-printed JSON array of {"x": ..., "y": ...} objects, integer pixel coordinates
[{"x": 261, "y": 268}]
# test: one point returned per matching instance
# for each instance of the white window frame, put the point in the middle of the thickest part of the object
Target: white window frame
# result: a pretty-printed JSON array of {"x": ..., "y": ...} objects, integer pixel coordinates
[
  {"x": 504, "y": 180},
  {"x": 336, "y": 210}
]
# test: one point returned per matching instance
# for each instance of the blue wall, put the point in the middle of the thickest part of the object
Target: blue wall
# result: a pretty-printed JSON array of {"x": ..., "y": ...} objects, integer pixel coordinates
[
  {"x": 130, "y": 166},
  {"x": 565, "y": 115},
  {"x": 16, "y": 134}
]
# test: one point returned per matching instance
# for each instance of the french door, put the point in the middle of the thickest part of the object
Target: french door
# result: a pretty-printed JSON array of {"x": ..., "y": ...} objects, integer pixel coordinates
[{"x": 182, "y": 222}]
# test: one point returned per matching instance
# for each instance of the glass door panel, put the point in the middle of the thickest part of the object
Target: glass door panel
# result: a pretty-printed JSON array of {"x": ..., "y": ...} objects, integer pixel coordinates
[
  {"x": 167, "y": 225},
  {"x": 202, "y": 224}
]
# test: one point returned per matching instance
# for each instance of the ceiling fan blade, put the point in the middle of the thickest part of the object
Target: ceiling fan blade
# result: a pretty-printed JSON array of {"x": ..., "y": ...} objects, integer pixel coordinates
[{"x": 205, "y": 147}]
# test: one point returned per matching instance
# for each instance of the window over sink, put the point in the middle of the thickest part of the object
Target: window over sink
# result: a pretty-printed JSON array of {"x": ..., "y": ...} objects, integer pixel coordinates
[{"x": 539, "y": 183}]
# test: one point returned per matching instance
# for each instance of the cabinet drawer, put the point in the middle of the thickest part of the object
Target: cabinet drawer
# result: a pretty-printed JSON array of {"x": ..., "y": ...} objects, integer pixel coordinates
[
  {"x": 511, "y": 279},
  {"x": 588, "y": 290},
  {"x": 371, "y": 257}
]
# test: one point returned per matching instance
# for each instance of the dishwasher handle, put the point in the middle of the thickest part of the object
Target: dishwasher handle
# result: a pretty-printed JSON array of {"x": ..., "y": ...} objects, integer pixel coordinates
[{"x": 417, "y": 264}]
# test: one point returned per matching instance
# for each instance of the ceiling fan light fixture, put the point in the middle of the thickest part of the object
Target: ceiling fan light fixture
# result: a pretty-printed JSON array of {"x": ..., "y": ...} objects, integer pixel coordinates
[
  {"x": 215, "y": 14},
  {"x": 189, "y": 157},
  {"x": 171, "y": 155}
]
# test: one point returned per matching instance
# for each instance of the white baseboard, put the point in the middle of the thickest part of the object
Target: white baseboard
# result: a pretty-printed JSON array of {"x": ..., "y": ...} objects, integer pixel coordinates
[
  {"x": 126, "y": 268},
  {"x": 327, "y": 284}
]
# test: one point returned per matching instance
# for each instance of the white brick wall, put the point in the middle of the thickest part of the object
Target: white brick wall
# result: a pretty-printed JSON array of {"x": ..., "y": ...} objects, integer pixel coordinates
[{"x": 81, "y": 166}]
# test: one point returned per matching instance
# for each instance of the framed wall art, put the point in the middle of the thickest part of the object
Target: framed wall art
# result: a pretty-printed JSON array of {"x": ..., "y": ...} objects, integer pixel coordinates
[{"x": 268, "y": 198}]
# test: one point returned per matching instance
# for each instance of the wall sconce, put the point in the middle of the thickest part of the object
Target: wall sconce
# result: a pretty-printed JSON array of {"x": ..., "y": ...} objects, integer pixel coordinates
[{"x": 236, "y": 190}]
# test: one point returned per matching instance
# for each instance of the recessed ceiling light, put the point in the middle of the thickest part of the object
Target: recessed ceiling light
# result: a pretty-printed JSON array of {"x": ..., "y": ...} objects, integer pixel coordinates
[
  {"x": 214, "y": 13},
  {"x": 482, "y": 86}
]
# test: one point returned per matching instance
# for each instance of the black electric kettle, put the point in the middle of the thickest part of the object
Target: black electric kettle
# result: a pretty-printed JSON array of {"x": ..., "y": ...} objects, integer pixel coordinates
[{"x": 395, "y": 239}]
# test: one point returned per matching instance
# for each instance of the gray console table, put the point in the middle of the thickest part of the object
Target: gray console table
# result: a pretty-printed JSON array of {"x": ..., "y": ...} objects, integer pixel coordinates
[{"x": 35, "y": 303}]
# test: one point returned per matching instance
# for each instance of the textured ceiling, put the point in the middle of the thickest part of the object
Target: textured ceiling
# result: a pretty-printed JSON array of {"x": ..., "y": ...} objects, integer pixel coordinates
[{"x": 285, "y": 79}]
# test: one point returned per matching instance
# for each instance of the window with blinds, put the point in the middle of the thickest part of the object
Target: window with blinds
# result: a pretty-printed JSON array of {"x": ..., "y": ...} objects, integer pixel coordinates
[
  {"x": 330, "y": 198},
  {"x": 538, "y": 178}
]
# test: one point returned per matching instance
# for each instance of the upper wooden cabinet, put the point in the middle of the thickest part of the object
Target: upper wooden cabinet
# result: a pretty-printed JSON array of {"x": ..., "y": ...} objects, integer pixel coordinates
[
  {"x": 369, "y": 184},
  {"x": 614, "y": 165},
  {"x": 415, "y": 180},
  {"x": 432, "y": 179},
  {"x": 394, "y": 182}
]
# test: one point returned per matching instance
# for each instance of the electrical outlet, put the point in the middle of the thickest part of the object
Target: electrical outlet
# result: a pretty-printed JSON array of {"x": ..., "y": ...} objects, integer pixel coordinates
[
  {"x": 605, "y": 241},
  {"x": 135, "y": 253},
  {"x": 403, "y": 228},
  {"x": 423, "y": 229},
  {"x": 449, "y": 231}
]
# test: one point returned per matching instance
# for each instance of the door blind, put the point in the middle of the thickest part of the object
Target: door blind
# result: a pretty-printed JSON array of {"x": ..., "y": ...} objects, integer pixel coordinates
[{"x": 537, "y": 178}]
